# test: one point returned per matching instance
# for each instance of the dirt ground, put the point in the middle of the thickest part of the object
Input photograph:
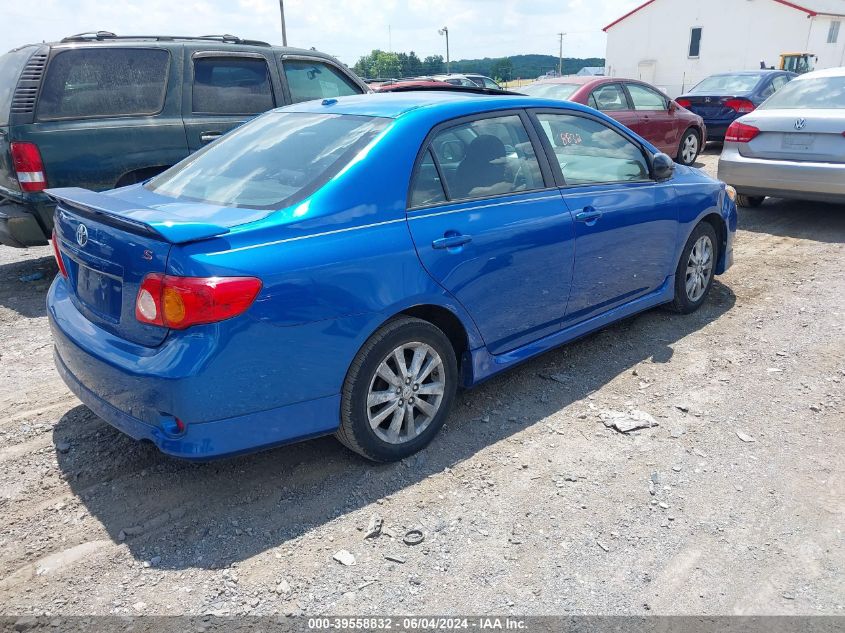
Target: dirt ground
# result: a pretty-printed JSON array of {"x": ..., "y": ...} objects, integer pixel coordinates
[{"x": 734, "y": 504}]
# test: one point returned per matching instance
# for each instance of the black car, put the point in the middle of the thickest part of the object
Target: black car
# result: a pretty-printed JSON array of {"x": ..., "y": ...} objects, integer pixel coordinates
[
  {"x": 721, "y": 98},
  {"x": 100, "y": 111}
]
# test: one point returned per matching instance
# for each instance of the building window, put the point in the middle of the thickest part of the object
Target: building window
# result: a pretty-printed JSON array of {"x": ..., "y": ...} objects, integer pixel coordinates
[
  {"x": 694, "y": 41},
  {"x": 833, "y": 33}
]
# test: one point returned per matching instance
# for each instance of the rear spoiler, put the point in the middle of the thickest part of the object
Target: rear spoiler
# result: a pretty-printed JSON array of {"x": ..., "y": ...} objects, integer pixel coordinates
[{"x": 132, "y": 217}]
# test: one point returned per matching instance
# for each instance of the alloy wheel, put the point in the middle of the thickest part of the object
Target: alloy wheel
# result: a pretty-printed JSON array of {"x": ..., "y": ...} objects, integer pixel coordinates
[
  {"x": 699, "y": 268},
  {"x": 406, "y": 392},
  {"x": 690, "y": 149}
]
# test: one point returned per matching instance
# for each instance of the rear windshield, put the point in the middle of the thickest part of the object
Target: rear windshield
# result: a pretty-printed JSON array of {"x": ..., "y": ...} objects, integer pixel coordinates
[
  {"x": 727, "y": 84},
  {"x": 104, "y": 82},
  {"x": 816, "y": 94},
  {"x": 11, "y": 65},
  {"x": 271, "y": 162},
  {"x": 551, "y": 90}
]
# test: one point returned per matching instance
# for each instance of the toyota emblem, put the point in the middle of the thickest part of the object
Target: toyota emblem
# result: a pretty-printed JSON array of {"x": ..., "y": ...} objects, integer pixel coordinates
[
  {"x": 800, "y": 123},
  {"x": 82, "y": 235}
]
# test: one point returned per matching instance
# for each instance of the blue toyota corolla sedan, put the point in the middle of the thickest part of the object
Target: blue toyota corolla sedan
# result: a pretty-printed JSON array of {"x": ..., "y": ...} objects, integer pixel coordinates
[{"x": 343, "y": 266}]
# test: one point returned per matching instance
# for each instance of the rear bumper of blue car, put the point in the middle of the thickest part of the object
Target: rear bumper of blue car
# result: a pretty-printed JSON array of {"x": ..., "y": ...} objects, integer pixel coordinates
[
  {"x": 142, "y": 396},
  {"x": 221, "y": 438}
]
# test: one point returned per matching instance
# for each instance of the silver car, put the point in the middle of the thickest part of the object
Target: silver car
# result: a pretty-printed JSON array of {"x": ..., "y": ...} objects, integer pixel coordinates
[{"x": 793, "y": 145}]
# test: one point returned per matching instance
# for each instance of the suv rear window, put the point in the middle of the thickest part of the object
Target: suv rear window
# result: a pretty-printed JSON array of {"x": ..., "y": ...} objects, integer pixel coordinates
[
  {"x": 11, "y": 65},
  {"x": 104, "y": 82},
  {"x": 271, "y": 162}
]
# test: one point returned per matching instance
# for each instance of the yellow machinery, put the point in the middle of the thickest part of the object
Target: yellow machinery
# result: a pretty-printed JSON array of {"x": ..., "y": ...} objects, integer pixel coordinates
[{"x": 797, "y": 62}]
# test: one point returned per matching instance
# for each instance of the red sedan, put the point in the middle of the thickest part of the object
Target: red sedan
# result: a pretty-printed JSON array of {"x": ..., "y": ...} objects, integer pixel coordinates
[{"x": 637, "y": 105}]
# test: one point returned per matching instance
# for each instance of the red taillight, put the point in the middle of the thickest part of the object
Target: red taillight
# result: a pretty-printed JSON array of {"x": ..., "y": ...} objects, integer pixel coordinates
[
  {"x": 684, "y": 103},
  {"x": 180, "y": 302},
  {"x": 740, "y": 132},
  {"x": 743, "y": 106},
  {"x": 28, "y": 166},
  {"x": 58, "y": 255}
]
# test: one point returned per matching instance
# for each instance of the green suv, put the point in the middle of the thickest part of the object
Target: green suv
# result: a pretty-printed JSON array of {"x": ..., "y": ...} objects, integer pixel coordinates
[{"x": 100, "y": 111}]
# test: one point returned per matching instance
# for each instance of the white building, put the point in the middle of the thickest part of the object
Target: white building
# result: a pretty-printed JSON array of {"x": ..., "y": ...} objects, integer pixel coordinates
[{"x": 674, "y": 44}]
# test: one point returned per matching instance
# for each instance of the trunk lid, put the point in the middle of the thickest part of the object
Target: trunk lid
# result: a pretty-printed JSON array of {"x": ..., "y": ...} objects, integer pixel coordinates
[
  {"x": 109, "y": 244},
  {"x": 797, "y": 135},
  {"x": 711, "y": 106}
]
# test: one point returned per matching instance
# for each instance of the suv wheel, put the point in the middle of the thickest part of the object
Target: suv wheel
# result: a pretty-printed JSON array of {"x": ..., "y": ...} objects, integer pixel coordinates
[{"x": 399, "y": 390}]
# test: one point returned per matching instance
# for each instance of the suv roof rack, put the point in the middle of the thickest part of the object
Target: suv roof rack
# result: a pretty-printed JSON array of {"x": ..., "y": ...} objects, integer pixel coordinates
[{"x": 99, "y": 36}]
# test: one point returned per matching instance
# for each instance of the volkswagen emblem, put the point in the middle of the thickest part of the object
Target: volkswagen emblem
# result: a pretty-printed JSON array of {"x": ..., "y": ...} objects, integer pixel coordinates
[
  {"x": 82, "y": 235},
  {"x": 800, "y": 123}
]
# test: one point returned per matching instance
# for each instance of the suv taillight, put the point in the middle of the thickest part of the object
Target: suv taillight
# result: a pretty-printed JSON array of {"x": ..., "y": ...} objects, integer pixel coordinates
[
  {"x": 743, "y": 106},
  {"x": 180, "y": 302},
  {"x": 29, "y": 168},
  {"x": 740, "y": 133}
]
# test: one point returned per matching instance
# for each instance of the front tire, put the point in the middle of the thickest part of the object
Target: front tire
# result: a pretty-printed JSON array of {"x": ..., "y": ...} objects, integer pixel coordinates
[
  {"x": 399, "y": 390},
  {"x": 694, "y": 275},
  {"x": 749, "y": 202},
  {"x": 690, "y": 147}
]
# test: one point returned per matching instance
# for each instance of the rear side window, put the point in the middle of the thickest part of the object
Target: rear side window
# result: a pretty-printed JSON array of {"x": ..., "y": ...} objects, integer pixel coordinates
[
  {"x": 609, "y": 98},
  {"x": 11, "y": 65},
  {"x": 231, "y": 85},
  {"x": 271, "y": 162},
  {"x": 590, "y": 152},
  {"x": 427, "y": 189},
  {"x": 308, "y": 80},
  {"x": 487, "y": 157},
  {"x": 104, "y": 82}
]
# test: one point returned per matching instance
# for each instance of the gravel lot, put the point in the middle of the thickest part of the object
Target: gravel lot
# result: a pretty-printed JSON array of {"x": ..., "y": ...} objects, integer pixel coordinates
[{"x": 734, "y": 504}]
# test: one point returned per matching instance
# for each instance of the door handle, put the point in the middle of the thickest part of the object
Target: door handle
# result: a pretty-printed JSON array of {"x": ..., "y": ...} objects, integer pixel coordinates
[
  {"x": 207, "y": 137},
  {"x": 588, "y": 215},
  {"x": 451, "y": 241}
]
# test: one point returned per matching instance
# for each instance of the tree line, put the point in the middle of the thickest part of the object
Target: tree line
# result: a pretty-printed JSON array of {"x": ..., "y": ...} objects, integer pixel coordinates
[{"x": 384, "y": 65}]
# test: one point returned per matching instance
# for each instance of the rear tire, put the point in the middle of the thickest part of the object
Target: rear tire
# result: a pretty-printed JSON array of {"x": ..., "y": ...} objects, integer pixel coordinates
[
  {"x": 749, "y": 202},
  {"x": 694, "y": 275},
  {"x": 690, "y": 147},
  {"x": 398, "y": 391}
]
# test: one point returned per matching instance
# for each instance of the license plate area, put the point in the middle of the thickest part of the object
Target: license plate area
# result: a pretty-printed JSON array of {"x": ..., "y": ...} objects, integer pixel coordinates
[
  {"x": 100, "y": 292},
  {"x": 798, "y": 141}
]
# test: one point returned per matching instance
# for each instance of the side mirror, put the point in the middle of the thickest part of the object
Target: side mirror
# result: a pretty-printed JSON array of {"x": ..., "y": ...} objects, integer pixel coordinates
[
  {"x": 662, "y": 166},
  {"x": 673, "y": 107}
]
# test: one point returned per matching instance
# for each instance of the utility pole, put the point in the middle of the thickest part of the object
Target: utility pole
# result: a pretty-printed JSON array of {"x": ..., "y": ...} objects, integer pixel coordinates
[
  {"x": 445, "y": 31},
  {"x": 560, "y": 56},
  {"x": 284, "y": 30}
]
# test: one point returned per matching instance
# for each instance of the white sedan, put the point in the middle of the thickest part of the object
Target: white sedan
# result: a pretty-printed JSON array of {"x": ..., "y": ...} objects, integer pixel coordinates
[{"x": 793, "y": 145}]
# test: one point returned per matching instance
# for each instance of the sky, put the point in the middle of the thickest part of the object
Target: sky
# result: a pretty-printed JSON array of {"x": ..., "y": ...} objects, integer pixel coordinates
[{"x": 346, "y": 29}]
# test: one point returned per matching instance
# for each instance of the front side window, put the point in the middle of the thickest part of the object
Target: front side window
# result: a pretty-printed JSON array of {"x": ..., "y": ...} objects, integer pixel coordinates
[
  {"x": 817, "y": 94},
  {"x": 271, "y": 162},
  {"x": 231, "y": 85},
  {"x": 590, "y": 152},
  {"x": 645, "y": 98},
  {"x": 609, "y": 98},
  {"x": 309, "y": 80},
  {"x": 487, "y": 157},
  {"x": 104, "y": 82},
  {"x": 695, "y": 41}
]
